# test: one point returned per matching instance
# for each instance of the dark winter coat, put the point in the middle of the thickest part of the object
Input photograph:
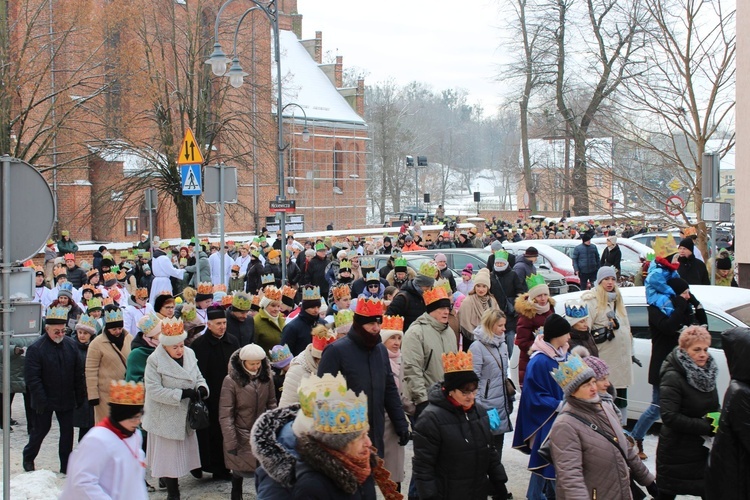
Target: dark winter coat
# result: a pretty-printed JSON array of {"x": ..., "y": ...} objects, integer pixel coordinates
[
  {"x": 83, "y": 416},
  {"x": 297, "y": 334},
  {"x": 243, "y": 399},
  {"x": 586, "y": 258},
  {"x": 17, "y": 362},
  {"x": 727, "y": 476},
  {"x": 369, "y": 370},
  {"x": 293, "y": 273},
  {"x": 691, "y": 270},
  {"x": 524, "y": 268},
  {"x": 320, "y": 476},
  {"x": 243, "y": 331},
  {"x": 274, "y": 269},
  {"x": 54, "y": 373},
  {"x": 611, "y": 257},
  {"x": 274, "y": 445},
  {"x": 507, "y": 284},
  {"x": 316, "y": 274},
  {"x": 66, "y": 246},
  {"x": 252, "y": 277},
  {"x": 528, "y": 323},
  {"x": 681, "y": 458},
  {"x": 454, "y": 456},
  {"x": 77, "y": 277},
  {"x": 408, "y": 303},
  {"x": 665, "y": 332}
]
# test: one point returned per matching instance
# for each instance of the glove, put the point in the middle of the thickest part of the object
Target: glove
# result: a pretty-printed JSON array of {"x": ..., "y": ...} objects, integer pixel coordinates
[
  {"x": 418, "y": 411},
  {"x": 94, "y": 402},
  {"x": 404, "y": 437},
  {"x": 203, "y": 392},
  {"x": 636, "y": 361},
  {"x": 653, "y": 490},
  {"x": 693, "y": 301},
  {"x": 189, "y": 393}
]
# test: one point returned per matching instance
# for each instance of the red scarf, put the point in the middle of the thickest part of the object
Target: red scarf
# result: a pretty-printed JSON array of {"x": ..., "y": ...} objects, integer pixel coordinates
[
  {"x": 361, "y": 468},
  {"x": 107, "y": 424},
  {"x": 457, "y": 404}
]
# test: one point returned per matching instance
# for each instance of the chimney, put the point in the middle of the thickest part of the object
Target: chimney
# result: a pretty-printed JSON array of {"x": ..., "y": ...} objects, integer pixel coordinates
[
  {"x": 339, "y": 72},
  {"x": 361, "y": 97},
  {"x": 318, "y": 47}
]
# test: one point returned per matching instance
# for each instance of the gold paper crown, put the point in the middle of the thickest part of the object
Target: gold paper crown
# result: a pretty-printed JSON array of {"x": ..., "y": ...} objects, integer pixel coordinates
[
  {"x": 205, "y": 288},
  {"x": 458, "y": 362},
  {"x": 107, "y": 301},
  {"x": 121, "y": 275},
  {"x": 310, "y": 292},
  {"x": 126, "y": 393},
  {"x": 221, "y": 287},
  {"x": 395, "y": 323},
  {"x": 341, "y": 414},
  {"x": 315, "y": 388},
  {"x": 38, "y": 269},
  {"x": 343, "y": 318},
  {"x": 445, "y": 285},
  {"x": 272, "y": 293},
  {"x": 59, "y": 271},
  {"x": 267, "y": 279},
  {"x": 341, "y": 291},
  {"x": 58, "y": 313},
  {"x": 288, "y": 291},
  {"x": 429, "y": 269},
  {"x": 345, "y": 265},
  {"x": 141, "y": 293},
  {"x": 241, "y": 301},
  {"x": 93, "y": 303},
  {"x": 434, "y": 294},
  {"x": 109, "y": 277},
  {"x": 171, "y": 327},
  {"x": 88, "y": 287}
]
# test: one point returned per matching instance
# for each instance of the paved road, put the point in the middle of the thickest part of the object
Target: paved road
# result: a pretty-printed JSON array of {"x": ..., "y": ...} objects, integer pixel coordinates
[{"x": 206, "y": 489}]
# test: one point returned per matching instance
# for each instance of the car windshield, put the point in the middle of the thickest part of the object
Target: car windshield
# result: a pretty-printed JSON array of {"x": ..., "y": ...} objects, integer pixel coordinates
[{"x": 742, "y": 313}]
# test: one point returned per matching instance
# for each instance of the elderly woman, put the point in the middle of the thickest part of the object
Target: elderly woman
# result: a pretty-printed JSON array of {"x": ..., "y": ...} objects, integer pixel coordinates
[
  {"x": 164, "y": 306},
  {"x": 106, "y": 361},
  {"x": 474, "y": 306},
  {"x": 171, "y": 379},
  {"x": 269, "y": 322},
  {"x": 687, "y": 395},
  {"x": 611, "y": 331},
  {"x": 453, "y": 452},
  {"x": 591, "y": 457}
]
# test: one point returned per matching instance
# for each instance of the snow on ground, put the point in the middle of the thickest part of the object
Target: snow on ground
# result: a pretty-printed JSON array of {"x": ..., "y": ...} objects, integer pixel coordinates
[{"x": 36, "y": 485}]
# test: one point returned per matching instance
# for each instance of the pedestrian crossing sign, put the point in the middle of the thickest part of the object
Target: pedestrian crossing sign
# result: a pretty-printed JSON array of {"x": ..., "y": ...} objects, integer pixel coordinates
[{"x": 191, "y": 179}]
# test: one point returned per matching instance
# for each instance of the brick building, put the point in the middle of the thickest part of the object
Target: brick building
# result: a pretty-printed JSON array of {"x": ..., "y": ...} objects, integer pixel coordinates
[{"x": 108, "y": 160}]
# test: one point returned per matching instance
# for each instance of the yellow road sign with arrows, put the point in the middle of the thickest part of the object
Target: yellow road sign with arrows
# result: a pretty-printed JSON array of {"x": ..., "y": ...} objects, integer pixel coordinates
[{"x": 190, "y": 152}]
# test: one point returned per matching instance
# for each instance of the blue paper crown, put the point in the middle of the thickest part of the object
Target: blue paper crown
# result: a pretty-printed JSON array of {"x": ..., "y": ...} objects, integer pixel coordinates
[
  {"x": 66, "y": 286},
  {"x": 311, "y": 293},
  {"x": 87, "y": 322},
  {"x": 58, "y": 313},
  {"x": 149, "y": 322},
  {"x": 112, "y": 316},
  {"x": 267, "y": 279},
  {"x": 367, "y": 262},
  {"x": 341, "y": 417},
  {"x": 569, "y": 371},
  {"x": 372, "y": 276},
  {"x": 576, "y": 311}
]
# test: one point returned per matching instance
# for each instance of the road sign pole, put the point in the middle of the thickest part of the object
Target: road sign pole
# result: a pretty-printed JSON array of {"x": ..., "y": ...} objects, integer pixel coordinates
[
  {"x": 712, "y": 247},
  {"x": 221, "y": 221},
  {"x": 6, "y": 333},
  {"x": 197, "y": 240},
  {"x": 150, "y": 208}
]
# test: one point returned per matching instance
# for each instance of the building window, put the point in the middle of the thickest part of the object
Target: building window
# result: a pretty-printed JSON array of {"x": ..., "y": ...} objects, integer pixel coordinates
[
  {"x": 338, "y": 167},
  {"x": 117, "y": 196},
  {"x": 131, "y": 226},
  {"x": 598, "y": 180},
  {"x": 558, "y": 180}
]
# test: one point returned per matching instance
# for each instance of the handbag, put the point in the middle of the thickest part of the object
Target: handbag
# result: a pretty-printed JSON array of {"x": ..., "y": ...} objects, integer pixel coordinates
[
  {"x": 509, "y": 309},
  {"x": 197, "y": 415},
  {"x": 635, "y": 490}
]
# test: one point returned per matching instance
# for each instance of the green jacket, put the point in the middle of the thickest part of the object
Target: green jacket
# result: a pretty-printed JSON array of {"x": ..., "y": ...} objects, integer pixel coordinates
[
  {"x": 137, "y": 363},
  {"x": 64, "y": 247},
  {"x": 422, "y": 351},
  {"x": 17, "y": 361},
  {"x": 267, "y": 333}
]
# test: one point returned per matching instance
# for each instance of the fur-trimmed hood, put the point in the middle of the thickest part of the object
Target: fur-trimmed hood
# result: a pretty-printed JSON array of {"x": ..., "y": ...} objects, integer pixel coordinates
[
  {"x": 274, "y": 456},
  {"x": 238, "y": 374},
  {"x": 526, "y": 308},
  {"x": 317, "y": 459}
]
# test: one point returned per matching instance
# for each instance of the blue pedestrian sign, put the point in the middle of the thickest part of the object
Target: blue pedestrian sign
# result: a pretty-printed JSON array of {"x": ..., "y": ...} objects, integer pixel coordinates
[{"x": 191, "y": 179}]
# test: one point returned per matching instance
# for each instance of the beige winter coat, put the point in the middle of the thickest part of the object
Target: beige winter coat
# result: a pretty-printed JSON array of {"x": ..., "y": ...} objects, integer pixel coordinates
[
  {"x": 105, "y": 363},
  {"x": 617, "y": 353},
  {"x": 165, "y": 412},
  {"x": 587, "y": 465},
  {"x": 422, "y": 351}
]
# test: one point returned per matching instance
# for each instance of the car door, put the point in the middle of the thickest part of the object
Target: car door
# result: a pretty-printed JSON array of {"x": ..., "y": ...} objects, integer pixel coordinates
[
  {"x": 461, "y": 259},
  {"x": 639, "y": 394}
]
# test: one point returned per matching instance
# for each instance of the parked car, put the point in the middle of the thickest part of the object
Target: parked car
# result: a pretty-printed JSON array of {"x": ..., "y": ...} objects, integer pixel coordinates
[
  {"x": 725, "y": 307},
  {"x": 723, "y": 237},
  {"x": 548, "y": 256},
  {"x": 457, "y": 258}
]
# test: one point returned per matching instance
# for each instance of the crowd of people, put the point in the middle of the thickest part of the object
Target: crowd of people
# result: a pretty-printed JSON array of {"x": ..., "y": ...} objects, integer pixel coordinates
[{"x": 312, "y": 388}]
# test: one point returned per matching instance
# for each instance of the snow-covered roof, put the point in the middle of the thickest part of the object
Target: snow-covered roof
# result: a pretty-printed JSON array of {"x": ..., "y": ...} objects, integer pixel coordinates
[
  {"x": 304, "y": 83},
  {"x": 134, "y": 161}
]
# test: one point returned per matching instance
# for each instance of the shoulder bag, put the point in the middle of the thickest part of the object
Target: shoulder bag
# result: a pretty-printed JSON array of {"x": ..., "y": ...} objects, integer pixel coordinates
[{"x": 197, "y": 415}]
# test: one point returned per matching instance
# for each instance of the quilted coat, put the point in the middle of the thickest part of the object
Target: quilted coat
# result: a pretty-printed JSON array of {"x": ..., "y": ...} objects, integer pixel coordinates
[
  {"x": 243, "y": 399},
  {"x": 528, "y": 323},
  {"x": 587, "y": 465},
  {"x": 165, "y": 412}
]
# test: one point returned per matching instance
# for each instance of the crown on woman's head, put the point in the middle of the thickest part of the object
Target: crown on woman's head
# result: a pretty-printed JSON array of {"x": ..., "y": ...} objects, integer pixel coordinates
[
  {"x": 288, "y": 291},
  {"x": 445, "y": 285},
  {"x": 113, "y": 316},
  {"x": 341, "y": 414},
  {"x": 341, "y": 291},
  {"x": 367, "y": 262},
  {"x": 311, "y": 293},
  {"x": 141, "y": 293},
  {"x": 221, "y": 287},
  {"x": 534, "y": 280},
  {"x": 272, "y": 293},
  {"x": 59, "y": 271},
  {"x": 109, "y": 277},
  {"x": 86, "y": 287},
  {"x": 372, "y": 276},
  {"x": 395, "y": 323},
  {"x": 93, "y": 303},
  {"x": 172, "y": 327},
  {"x": 66, "y": 286},
  {"x": 576, "y": 310},
  {"x": 188, "y": 311},
  {"x": 150, "y": 324},
  {"x": 315, "y": 388},
  {"x": 573, "y": 371},
  {"x": 126, "y": 393},
  {"x": 268, "y": 279},
  {"x": 87, "y": 323},
  {"x": 107, "y": 301},
  {"x": 458, "y": 362}
]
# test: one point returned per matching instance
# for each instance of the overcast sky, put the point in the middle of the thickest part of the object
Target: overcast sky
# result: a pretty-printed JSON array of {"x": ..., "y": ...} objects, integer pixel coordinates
[{"x": 446, "y": 44}]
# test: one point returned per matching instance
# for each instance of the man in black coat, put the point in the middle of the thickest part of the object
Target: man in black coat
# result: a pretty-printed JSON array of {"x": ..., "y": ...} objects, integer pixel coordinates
[
  {"x": 665, "y": 332},
  {"x": 363, "y": 360},
  {"x": 238, "y": 325},
  {"x": 254, "y": 272},
  {"x": 315, "y": 274},
  {"x": 76, "y": 275},
  {"x": 55, "y": 379},
  {"x": 691, "y": 269},
  {"x": 297, "y": 334},
  {"x": 505, "y": 286},
  {"x": 408, "y": 302},
  {"x": 212, "y": 351}
]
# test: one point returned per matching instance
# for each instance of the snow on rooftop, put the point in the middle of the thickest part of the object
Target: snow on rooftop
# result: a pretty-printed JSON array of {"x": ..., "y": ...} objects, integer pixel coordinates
[
  {"x": 304, "y": 83},
  {"x": 134, "y": 161}
]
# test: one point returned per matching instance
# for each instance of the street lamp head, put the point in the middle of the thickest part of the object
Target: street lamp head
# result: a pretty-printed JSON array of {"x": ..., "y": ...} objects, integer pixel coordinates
[
  {"x": 218, "y": 60},
  {"x": 305, "y": 135},
  {"x": 235, "y": 74}
]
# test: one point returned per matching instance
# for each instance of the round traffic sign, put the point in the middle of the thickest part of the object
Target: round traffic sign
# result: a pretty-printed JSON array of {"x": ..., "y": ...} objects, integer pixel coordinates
[
  {"x": 675, "y": 205},
  {"x": 32, "y": 209}
]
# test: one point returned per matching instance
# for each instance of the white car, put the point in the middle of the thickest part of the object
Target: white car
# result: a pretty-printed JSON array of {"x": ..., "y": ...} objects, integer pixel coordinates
[{"x": 725, "y": 307}]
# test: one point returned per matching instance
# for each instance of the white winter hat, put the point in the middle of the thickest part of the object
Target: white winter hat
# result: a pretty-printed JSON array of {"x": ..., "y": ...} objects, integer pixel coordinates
[{"x": 252, "y": 352}]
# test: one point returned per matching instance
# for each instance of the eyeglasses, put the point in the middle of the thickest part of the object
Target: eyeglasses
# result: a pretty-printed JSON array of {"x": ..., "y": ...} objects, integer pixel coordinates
[
  {"x": 373, "y": 286},
  {"x": 57, "y": 331}
]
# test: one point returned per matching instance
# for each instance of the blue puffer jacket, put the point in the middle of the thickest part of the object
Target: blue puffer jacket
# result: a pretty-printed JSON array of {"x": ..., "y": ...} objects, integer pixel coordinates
[
  {"x": 586, "y": 258},
  {"x": 658, "y": 293}
]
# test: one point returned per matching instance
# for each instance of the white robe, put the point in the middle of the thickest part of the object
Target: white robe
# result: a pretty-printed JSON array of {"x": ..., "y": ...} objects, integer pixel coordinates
[
  {"x": 104, "y": 467},
  {"x": 132, "y": 314},
  {"x": 43, "y": 295},
  {"x": 214, "y": 261},
  {"x": 162, "y": 269},
  {"x": 243, "y": 262}
]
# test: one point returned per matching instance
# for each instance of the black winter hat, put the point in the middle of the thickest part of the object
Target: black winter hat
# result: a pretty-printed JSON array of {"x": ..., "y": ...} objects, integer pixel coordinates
[
  {"x": 724, "y": 263},
  {"x": 679, "y": 285},
  {"x": 555, "y": 326},
  {"x": 687, "y": 243}
]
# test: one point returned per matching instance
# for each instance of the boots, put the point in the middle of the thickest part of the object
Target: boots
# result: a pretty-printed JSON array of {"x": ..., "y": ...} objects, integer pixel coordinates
[
  {"x": 173, "y": 488},
  {"x": 236, "y": 488},
  {"x": 639, "y": 444}
]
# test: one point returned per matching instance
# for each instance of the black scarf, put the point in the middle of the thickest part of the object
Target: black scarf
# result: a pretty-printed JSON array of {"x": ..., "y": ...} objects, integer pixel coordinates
[
  {"x": 361, "y": 337},
  {"x": 117, "y": 341}
]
